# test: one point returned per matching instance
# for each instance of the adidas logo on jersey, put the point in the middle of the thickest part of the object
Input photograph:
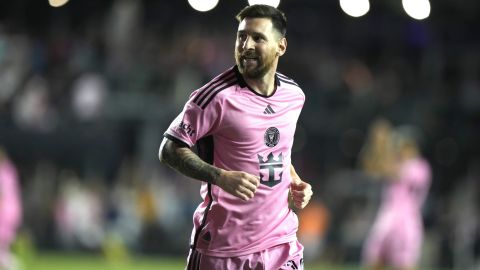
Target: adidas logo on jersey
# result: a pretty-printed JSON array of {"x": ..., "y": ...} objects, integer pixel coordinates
[{"x": 268, "y": 110}]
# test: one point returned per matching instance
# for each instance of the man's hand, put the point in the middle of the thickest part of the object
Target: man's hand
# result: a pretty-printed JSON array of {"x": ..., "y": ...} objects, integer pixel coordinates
[
  {"x": 300, "y": 194},
  {"x": 300, "y": 191},
  {"x": 240, "y": 184}
]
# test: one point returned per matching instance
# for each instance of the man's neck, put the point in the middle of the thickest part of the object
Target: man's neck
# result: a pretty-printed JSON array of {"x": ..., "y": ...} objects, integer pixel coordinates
[{"x": 265, "y": 85}]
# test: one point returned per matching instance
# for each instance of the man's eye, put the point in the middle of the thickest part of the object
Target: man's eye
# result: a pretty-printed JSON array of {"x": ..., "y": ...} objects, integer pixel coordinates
[{"x": 257, "y": 38}]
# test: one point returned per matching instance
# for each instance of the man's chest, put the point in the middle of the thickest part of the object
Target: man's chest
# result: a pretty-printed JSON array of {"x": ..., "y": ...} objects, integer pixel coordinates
[{"x": 247, "y": 119}]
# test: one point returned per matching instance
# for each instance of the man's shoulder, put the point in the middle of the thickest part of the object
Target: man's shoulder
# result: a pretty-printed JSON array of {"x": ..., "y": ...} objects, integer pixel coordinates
[
  {"x": 287, "y": 82},
  {"x": 203, "y": 96}
]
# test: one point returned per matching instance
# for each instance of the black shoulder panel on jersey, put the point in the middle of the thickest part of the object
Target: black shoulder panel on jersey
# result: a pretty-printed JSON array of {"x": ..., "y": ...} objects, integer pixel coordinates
[
  {"x": 286, "y": 79},
  {"x": 215, "y": 91},
  {"x": 215, "y": 83}
]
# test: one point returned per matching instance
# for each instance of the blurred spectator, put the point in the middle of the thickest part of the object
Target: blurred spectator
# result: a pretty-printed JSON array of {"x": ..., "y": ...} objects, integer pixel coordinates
[
  {"x": 79, "y": 214},
  {"x": 466, "y": 221},
  {"x": 32, "y": 108},
  {"x": 13, "y": 64},
  {"x": 88, "y": 97}
]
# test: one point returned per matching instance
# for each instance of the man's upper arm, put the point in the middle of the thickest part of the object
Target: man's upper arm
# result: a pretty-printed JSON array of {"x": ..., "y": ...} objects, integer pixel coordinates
[{"x": 169, "y": 147}]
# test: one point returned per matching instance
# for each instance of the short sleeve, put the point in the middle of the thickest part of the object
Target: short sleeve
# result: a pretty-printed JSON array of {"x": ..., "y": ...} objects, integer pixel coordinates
[{"x": 194, "y": 123}]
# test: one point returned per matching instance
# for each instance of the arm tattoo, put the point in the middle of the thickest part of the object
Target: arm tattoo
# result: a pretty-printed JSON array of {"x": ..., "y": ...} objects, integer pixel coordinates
[{"x": 188, "y": 163}]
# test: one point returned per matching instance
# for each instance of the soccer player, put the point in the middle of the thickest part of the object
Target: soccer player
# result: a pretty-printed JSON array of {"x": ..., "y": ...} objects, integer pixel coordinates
[
  {"x": 10, "y": 210},
  {"x": 243, "y": 124},
  {"x": 396, "y": 236}
]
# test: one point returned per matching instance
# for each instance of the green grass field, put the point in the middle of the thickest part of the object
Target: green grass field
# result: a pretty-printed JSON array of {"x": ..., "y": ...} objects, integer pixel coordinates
[
  {"x": 112, "y": 257},
  {"x": 61, "y": 261}
]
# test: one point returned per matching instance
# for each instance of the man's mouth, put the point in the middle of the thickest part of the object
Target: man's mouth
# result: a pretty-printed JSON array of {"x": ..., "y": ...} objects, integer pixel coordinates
[{"x": 250, "y": 59}]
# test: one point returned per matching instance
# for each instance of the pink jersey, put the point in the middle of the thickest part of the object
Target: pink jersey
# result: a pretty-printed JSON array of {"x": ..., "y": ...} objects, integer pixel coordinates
[
  {"x": 407, "y": 193},
  {"x": 396, "y": 237},
  {"x": 10, "y": 205},
  {"x": 238, "y": 129}
]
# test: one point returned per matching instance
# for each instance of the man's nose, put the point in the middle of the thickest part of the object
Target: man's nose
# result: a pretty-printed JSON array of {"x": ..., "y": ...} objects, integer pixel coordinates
[{"x": 248, "y": 43}]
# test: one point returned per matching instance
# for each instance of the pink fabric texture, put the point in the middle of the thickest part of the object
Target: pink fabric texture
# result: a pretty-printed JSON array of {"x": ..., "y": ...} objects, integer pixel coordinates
[{"x": 288, "y": 256}]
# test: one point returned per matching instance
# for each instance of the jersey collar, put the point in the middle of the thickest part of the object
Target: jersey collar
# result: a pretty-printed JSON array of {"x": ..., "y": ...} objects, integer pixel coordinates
[{"x": 243, "y": 84}]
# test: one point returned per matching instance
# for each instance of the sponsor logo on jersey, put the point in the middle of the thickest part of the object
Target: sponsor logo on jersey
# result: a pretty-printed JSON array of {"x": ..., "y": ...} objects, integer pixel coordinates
[
  {"x": 271, "y": 137},
  {"x": 272, "y": 165},
  {"x": 187, "y": 128}
]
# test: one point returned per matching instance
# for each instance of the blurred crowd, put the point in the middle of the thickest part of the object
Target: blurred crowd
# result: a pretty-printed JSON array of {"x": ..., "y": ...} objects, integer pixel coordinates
[{"x": 87, "y": 90}]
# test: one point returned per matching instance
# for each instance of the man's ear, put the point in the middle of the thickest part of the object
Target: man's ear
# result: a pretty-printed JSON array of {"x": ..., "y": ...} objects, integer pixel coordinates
[{"x": 282, "y": 46}]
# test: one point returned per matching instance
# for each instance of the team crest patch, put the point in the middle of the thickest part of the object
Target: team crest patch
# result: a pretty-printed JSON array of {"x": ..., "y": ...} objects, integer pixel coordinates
[{"x": 271, "y": 137}]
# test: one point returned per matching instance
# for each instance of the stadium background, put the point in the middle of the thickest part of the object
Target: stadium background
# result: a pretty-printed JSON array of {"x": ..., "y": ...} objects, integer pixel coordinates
[{"x": 86, "y": 91}]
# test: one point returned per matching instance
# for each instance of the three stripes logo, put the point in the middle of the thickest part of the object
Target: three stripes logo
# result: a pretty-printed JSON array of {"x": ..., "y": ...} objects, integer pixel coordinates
[{"x": 268, "y": 110}]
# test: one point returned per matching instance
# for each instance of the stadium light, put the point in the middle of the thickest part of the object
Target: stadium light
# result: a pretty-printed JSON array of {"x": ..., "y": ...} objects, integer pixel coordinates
[
  {"x": 57, "y": 3},
  {"x": 355, "y": 8},
  {"x": 273, "y": 3},
  {"x": 417, "y": 9},
  {"x": 203, "y": 5}
]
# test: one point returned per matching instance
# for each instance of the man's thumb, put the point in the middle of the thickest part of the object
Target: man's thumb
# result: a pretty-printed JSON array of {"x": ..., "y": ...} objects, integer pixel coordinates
[{"x": 297, "y": 186}]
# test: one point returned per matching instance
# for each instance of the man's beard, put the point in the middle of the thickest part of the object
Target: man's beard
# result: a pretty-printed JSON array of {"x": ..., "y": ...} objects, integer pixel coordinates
[{"x": 257, "y": 72}]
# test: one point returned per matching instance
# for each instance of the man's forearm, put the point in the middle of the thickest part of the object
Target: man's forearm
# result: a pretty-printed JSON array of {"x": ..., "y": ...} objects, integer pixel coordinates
[
  {"x": 294, "y": 175},
  {"x": 188, "y": 163}
]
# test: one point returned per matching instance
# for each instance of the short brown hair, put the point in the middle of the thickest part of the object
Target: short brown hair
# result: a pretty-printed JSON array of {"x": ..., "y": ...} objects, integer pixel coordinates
[{"x": 278, "y": 18}]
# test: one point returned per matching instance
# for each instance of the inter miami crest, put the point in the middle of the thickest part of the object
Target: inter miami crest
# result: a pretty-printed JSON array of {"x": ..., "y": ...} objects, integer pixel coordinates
[
  {"x": 272, "y": 136},
  {"x": 271, "y": 164}
]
